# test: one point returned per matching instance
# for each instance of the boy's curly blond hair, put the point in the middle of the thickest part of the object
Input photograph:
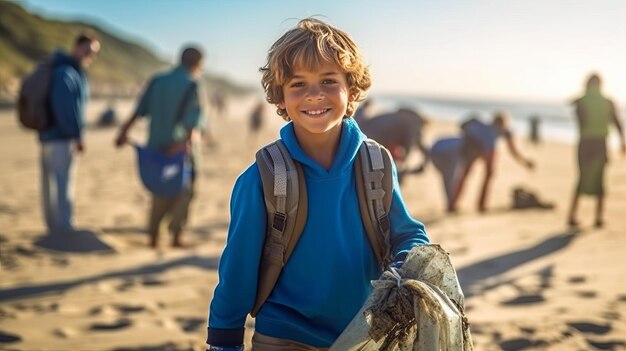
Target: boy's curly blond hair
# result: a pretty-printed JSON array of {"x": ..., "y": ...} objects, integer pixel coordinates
[{"x": 308, "y": 45}]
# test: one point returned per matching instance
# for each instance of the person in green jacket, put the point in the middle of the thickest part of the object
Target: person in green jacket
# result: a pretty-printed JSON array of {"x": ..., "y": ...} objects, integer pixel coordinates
[{"x": 594, "y": 113}]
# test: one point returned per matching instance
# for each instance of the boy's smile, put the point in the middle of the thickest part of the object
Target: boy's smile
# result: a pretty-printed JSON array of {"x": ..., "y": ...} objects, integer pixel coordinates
[
  {"x": 316, "y": 113},
  {"x": 316, "y": 100}
]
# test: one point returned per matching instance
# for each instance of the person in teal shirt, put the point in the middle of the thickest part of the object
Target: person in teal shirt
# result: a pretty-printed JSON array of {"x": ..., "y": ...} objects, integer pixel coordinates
[
  {"x": 594, "y": 113},
  {"x": 160, "y": 102}
]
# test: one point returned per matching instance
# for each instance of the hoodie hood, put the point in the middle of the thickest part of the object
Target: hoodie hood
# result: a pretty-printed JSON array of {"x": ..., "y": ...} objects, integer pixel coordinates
[
  {"x": 351, "y": 140},
  {"x": 61, "y": 58}
]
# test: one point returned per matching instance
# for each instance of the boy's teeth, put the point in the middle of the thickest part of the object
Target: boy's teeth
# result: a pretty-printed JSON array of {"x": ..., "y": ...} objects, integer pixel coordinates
[{"x": 315, "y": 112}]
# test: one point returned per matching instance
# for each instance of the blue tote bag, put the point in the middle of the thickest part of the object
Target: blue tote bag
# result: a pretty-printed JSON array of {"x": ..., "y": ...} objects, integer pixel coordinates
[{"x": 162, "y": 174}]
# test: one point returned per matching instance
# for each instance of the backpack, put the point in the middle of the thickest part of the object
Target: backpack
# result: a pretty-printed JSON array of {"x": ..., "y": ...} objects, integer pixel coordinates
[
  {"x": 33, "y": 106},
  {"x": 284, "y": 191}
]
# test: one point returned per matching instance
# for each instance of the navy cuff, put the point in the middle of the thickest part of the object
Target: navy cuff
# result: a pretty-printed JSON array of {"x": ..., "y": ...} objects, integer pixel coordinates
[
  {"x": 401, "y": 256},
  {"x": 225, "y": 337}
]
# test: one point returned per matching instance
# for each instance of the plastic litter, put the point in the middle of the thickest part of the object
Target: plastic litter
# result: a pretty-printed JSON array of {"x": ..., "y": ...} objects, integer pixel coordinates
[{"x": 417, "y": 307}]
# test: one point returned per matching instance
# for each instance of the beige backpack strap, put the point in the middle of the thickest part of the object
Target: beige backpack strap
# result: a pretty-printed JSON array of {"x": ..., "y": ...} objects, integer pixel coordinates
[
  {"x": 286, "y": 202},
  {"x": 374, "y": 181}
]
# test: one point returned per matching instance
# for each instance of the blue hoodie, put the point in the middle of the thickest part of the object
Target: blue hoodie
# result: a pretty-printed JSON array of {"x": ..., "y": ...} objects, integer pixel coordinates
[
  {"x": 327, "y": 278},
  {"x": 69, "y": 92}
]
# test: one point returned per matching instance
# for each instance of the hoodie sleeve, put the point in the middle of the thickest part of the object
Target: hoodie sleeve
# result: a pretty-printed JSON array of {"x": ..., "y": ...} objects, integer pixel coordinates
[
  {"x": 405, "y": 232},
  {"x": 238, "y": 270},
  {"x": 67, "y": 101}
]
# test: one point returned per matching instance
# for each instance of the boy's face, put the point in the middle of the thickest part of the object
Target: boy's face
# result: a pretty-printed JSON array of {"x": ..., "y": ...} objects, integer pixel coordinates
[{"x": 316, "y": 101}]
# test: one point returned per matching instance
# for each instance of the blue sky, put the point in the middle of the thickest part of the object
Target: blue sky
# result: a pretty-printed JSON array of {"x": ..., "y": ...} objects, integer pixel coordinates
[{"x": 532, "y": 49}]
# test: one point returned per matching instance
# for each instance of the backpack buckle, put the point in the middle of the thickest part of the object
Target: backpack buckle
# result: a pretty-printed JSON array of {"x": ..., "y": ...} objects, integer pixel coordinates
[{"x": 279, "y": 222}]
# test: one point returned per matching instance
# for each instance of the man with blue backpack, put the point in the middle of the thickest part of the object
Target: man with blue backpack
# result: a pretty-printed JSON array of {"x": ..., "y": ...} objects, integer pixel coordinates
[{"x": 62, "y": 83}]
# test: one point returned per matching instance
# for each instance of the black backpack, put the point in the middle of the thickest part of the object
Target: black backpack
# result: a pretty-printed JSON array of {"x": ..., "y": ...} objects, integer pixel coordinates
[{"x": 33, "y": 105}]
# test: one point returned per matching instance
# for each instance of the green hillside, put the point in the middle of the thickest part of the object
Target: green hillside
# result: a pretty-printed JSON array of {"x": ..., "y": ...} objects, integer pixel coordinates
[{"x": 121, "y": 68}]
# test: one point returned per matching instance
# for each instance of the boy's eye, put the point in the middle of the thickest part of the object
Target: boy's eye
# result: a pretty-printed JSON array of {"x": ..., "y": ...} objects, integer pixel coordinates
[
  {"x": 329, "y": 81},
  {"x": 296, "y": 84}
]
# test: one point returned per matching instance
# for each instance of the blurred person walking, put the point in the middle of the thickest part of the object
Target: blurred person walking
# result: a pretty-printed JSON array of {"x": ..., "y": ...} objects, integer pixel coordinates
[
  {"x": 63, "y": 137},
  {"x": 162, "y": 99},
  {"x": 255, "y": 123},
  {"x": 594, "y": 113},
  {"x": 533, "y": 129}
]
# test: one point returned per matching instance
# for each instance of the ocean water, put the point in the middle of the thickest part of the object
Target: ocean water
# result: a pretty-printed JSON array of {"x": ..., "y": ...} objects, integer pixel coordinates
[{"x": 557, "y": 119}]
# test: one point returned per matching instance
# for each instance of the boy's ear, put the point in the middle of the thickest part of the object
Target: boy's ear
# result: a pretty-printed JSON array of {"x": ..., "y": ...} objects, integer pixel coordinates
[
  {"x": 281, "y": 105},
  {"x": 352, "y": 97}
]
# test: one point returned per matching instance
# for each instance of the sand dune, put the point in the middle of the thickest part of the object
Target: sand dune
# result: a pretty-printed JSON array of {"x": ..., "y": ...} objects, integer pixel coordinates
[{"x": 531, "y": 283}]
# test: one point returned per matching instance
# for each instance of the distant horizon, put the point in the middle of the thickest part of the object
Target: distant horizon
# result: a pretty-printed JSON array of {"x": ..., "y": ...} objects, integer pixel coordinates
[{"x": 534, "y": 51}]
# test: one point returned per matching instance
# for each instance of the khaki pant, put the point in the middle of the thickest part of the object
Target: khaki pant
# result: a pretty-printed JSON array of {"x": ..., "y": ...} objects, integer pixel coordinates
[
  {"x": 262, "y": 342},
  {"x": 176, "y": 207}
]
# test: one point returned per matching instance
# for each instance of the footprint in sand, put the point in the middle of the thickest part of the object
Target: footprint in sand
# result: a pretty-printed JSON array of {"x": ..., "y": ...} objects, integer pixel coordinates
[
  {"x": 191, "y": 325},
  {"x": 611, "y": 315},
  {"x": 104, "y": 310},
  {"x": 125, "y": 285},
  {"x": 129, "y": 309},
  {"x": 606, "y": 345},
  {"x": 111, "y": 326},
  {"x": 6, "y": 209},
  {"x": 65, "y": 333},
  {"x": 118, "y": 309},
  {"x": 60, "y": 261},
  {"x": 520, "y": 344},
  {"x": 129, "y": 284},
  {"x": 7, "y": 338},
  {"x": 528, "y": 330},
  {"x": 152, "y": 281},
  {"x": 4, "y": 314},
  {"x": 577, "y": 279},
  {"x": 587, "y": 294},
  {"x": 25, "y": 251},
  {"x": 7, "y": 258},
  {"x": 591, "y": 328},
  {"x": 524, "y": 300},
  {"x": 562, "y": 310}
]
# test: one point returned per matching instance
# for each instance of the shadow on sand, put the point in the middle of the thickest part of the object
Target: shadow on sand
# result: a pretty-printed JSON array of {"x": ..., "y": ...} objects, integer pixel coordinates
[
  {"x": 76, "y": 241},
  {"x": 475, "y": 274},
  {"x": 25, "y": 291}
]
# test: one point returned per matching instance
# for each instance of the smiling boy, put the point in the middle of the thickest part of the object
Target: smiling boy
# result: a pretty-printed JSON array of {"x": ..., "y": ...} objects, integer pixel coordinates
[{"x": 315, "y": 75}]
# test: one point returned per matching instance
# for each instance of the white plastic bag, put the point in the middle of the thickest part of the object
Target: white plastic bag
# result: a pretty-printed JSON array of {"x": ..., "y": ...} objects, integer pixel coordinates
[{"x": 418, "y": 307}]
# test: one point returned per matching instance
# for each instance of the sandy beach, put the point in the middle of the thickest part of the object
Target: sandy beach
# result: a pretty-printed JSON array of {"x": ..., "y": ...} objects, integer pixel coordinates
[{"x": 531, "y": 283}]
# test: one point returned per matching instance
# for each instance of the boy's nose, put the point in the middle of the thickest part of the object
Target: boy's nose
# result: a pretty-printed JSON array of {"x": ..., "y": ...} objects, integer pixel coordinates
[{"x": 314, "y": 93}]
